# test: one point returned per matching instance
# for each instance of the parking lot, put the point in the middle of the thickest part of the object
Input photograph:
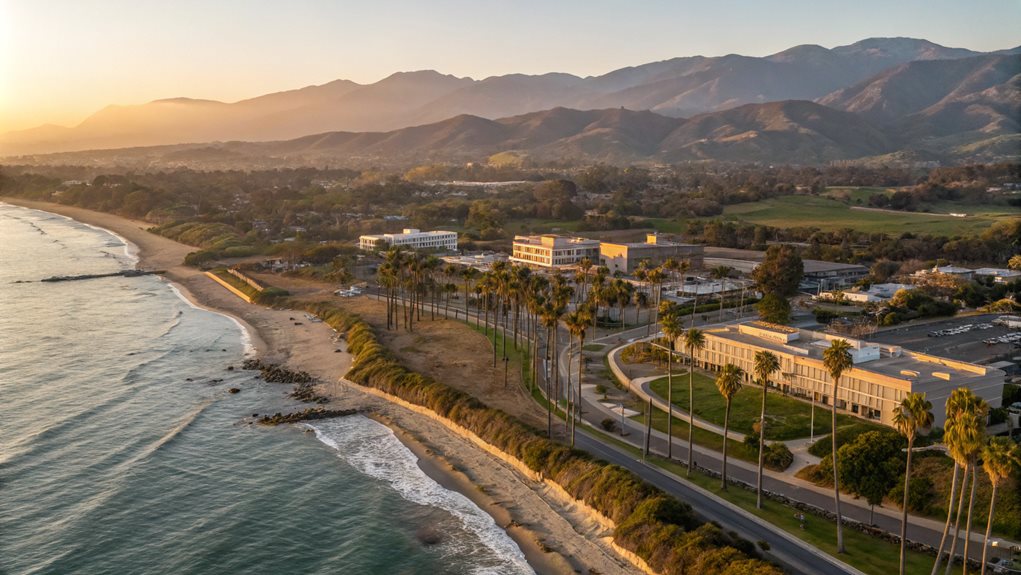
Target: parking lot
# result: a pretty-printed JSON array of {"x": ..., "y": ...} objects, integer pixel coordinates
[{"x": 974, "y": 339}]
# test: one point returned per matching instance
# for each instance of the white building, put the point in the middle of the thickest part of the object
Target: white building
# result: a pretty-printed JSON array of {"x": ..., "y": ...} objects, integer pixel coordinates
[
  {"x": 553, "y": 251},
  {"x": 999, "y": 275},
  {"x": 875, "y": 293},
  {"x": 412, "y": 238},
  {"x": 959, "y": 272}
]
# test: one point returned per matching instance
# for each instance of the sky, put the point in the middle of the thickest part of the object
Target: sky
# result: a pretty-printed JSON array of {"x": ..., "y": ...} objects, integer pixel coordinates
[{"x": 62, "y": 60}]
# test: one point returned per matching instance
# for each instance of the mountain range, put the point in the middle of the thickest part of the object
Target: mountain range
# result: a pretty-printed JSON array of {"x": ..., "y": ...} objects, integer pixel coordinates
[{"x": 807, "y": 104}]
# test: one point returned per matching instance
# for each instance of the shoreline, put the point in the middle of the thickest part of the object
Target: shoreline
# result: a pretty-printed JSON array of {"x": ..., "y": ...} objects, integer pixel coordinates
[{"x": 276, "y": 337}]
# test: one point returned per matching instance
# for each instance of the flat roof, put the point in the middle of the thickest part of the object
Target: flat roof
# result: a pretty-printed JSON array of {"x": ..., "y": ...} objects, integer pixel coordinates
[
  {"x": 886, "y": 365},
  {"x": 811, "y": 266}
]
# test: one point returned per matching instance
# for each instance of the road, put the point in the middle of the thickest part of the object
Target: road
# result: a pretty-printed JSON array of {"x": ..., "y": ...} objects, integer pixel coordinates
[
  {"x": 922, "y": 530},
  {"x": 796, "y": 556}
]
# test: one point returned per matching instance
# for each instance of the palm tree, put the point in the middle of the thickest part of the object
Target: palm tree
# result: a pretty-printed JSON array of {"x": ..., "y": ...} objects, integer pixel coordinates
[
  {"x": 694, "y": 341},
  {"x": 468, "y": 275},
  {"x": 673, "y": 327},
  {"x": 961, "y": 400},
  {"x": 655, "y": 276},
  {"x": 576, "y": 322},
  {"x": 766, "y": 363},
  {"x": 728, "y": 383},
  {"x": 1000, "y": 457},
  {"x": 837, "y": 359},
  {"x": 969, "y": 437},
  {"x": 641, "y": 300},
  {"x": 913, "y": 414}
]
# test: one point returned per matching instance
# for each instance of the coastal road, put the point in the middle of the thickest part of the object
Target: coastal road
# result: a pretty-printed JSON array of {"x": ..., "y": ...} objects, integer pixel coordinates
[{"x": 796, "y": 556}]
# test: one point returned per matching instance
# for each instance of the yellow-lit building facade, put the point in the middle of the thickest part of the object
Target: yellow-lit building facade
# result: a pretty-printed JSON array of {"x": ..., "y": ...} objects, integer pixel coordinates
[{"x": 880, "y": 378}]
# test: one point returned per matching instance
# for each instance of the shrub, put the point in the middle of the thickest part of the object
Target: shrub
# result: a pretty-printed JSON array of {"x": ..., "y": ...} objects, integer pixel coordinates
[
  {"x": 920, "y": 496},
  {"x": 658, "y": 528},
  {"x": 778, "y": 456},
  {"x": 608, "y": 424}
]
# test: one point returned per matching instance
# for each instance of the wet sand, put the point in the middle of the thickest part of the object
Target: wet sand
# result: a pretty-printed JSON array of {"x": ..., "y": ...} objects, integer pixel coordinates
[{"x": 555, "y": 538}]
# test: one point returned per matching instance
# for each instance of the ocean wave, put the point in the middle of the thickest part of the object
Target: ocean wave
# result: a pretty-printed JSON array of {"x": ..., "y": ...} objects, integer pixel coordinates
[
  {"x": 373, "y": 449},
  {"x": 246, "y": 337}
]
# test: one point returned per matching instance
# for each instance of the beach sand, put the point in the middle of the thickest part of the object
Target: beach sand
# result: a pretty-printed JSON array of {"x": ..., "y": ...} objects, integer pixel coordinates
[{"x": 556, "y": 538}]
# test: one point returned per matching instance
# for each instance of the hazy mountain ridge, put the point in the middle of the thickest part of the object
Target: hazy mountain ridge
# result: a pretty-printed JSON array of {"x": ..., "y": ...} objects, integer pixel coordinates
[
  {"x": 792, "y": 131},
  {"x": 678, "y": 87}
]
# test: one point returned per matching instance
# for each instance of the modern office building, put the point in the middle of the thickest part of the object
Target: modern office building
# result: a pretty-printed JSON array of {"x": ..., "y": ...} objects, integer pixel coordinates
[
  {"x": 881, "y": 376},
  {"x": 625, "y": 257},
  {"x": 553, "y": 251},
  {"x": 819, "y": 275},
  {"x": 412, "y": 238}
]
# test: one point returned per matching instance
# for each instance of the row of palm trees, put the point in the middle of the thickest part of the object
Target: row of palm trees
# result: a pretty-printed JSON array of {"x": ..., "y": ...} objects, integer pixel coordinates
[{"x": 411, "y": 283}]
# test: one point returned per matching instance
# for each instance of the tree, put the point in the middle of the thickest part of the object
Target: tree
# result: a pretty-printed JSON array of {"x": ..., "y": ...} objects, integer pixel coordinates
[
  {"x": 837, "y": 359},
  {"x": 780, "y": 272},
  {"x": 766, "y": 363},
  {"x": 576, "y": 322},
  {"x": 870, "y": 465},
  {"x": 964, "y": 437},
  {"x": 1000, "y": 458},
  {"x": 694, "y": 341},
  {"x": 961, "y": 400},
  {"x": 728, "y": 383},
  {"x": 1015, "y": 262},
  {"x": 774, "y": 309},
  {"x": 673, "y": 327},
  {"x": 913, "y": 414}
]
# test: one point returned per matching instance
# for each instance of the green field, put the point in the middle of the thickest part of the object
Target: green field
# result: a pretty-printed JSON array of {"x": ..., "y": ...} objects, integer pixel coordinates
[
  {"x": 787, "y": 418},
  {"x": 830, "y": 214}
]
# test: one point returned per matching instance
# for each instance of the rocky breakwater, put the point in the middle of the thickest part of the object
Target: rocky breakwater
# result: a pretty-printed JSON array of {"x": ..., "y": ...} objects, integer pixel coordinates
[
  {"x": 304, "y": 382},
  {"x": 310, "y": 414}
]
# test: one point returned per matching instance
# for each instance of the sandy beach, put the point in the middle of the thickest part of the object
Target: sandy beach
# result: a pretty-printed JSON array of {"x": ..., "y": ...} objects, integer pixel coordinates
[{"x": 555, "y": 537}]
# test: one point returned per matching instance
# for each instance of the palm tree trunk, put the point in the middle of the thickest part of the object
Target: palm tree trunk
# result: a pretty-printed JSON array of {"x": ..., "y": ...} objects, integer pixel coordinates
[
  {"x": 726, "y": 425},
  {"x": 581, "y": 372},
  {"x": 691, "y": 413},
  {"x": 950, "y": 515},
  {"x": 989, "y": 525},
  {"x": 670, "y": 404},
  {"x": 569, "y": 419},
  {"x": 957, "y": 521},
  {"x": 549, "y": 396},
  {"x": 762, "y": 448},
  {"x": 836, "y": 479},
  {"x": 904, "y": 509},
  {"x": 967, "y": 528}
]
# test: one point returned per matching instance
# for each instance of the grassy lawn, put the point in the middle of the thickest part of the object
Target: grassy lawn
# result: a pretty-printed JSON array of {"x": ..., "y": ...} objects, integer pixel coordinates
[
  {"x": 787, "y": 418},
  {"x": 830, "y": 214},
  {"x": 702, "y": 437},
  {"x": 866, "y": 553}
]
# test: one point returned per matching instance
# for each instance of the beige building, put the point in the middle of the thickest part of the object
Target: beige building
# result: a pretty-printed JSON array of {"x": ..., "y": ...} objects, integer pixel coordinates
[
  {"x": 881, "y": 376},
  {"x": 553, "y": 251},
  {"x": 626, "y": 257}
]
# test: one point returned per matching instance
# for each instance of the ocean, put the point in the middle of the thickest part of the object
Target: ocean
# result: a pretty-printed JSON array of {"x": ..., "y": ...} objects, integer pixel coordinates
[{"x": 122, "y": 451}]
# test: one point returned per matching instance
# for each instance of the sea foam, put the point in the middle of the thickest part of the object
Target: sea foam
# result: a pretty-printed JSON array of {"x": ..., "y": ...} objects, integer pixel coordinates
[{"x": 373, "y": 449}]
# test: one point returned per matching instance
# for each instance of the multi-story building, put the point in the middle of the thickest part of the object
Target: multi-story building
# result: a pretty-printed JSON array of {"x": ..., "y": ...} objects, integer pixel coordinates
[
  {"x": 881, "y": 376},
  {"x": 625, "y": 257},
  {"x": 553, "y": 251},
  {"x": 415, "y": 239}
]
